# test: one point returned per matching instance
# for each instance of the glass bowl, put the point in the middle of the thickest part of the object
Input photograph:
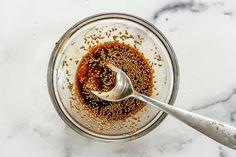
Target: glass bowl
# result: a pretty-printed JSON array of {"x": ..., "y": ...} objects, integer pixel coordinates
[{"x": 100, "y": 28}]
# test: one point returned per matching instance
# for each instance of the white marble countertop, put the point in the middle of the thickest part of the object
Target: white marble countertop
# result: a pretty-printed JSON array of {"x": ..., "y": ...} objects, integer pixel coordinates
[{"x": 202, "y": 33}]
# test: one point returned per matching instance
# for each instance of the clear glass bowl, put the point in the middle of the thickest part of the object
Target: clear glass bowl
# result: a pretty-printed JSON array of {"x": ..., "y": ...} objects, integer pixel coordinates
[{"x": 70, "y": 49}]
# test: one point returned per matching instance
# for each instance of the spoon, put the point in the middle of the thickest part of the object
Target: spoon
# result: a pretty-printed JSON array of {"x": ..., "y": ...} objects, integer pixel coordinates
[{"x": 123, "y": 89}]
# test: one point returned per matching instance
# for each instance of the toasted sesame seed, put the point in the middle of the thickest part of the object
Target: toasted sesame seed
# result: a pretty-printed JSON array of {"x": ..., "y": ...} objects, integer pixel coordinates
[{"x": 96, "y": 75}]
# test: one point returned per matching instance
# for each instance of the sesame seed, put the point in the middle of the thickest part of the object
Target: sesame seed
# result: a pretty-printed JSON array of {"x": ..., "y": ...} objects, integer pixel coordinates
[{"x": 92, "y": 73}]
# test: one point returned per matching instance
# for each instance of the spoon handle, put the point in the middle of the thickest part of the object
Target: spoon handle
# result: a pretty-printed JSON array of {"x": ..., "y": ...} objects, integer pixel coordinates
[{"x": 220, "y": 132}]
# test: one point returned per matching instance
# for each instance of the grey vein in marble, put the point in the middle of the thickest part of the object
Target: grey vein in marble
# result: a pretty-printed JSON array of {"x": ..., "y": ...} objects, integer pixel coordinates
[
  {"x": 221, "y": 4},
  {"x": 175, "y": 143},
  {"x": 173, "y": 29},
  {"x": 233, "y": 116},
  {"x": 174, "y": 7},
  {"x": 67, "y": 150},
  {"x": 41, "y": 132},
  {"x": 215, "y": 102},
  {"x": 222, "y": 153},
  {"x": 228, "y": 13},
  {"x": 218, "y": 3},
  {"x": 131, "y": 150}
]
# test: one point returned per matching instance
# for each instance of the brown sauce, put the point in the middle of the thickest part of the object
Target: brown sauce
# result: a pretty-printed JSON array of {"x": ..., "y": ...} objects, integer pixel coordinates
[{"x": 92, "y": 73}]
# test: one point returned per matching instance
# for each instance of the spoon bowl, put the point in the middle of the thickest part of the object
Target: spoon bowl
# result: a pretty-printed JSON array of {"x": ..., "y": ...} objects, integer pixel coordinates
[{"x": 122, "y": 90}]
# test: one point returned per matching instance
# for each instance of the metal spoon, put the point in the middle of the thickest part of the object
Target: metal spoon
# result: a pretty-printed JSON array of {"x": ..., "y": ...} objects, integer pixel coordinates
[{"x": 123, "y": 89}]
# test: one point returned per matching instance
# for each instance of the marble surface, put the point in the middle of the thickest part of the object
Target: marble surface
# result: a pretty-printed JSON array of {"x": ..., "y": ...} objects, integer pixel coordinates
[{"x": 202, "y": 33}]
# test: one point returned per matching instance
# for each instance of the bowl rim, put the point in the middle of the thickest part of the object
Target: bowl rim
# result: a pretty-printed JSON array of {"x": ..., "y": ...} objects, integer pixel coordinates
[{"x": 94, "y": 18}]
